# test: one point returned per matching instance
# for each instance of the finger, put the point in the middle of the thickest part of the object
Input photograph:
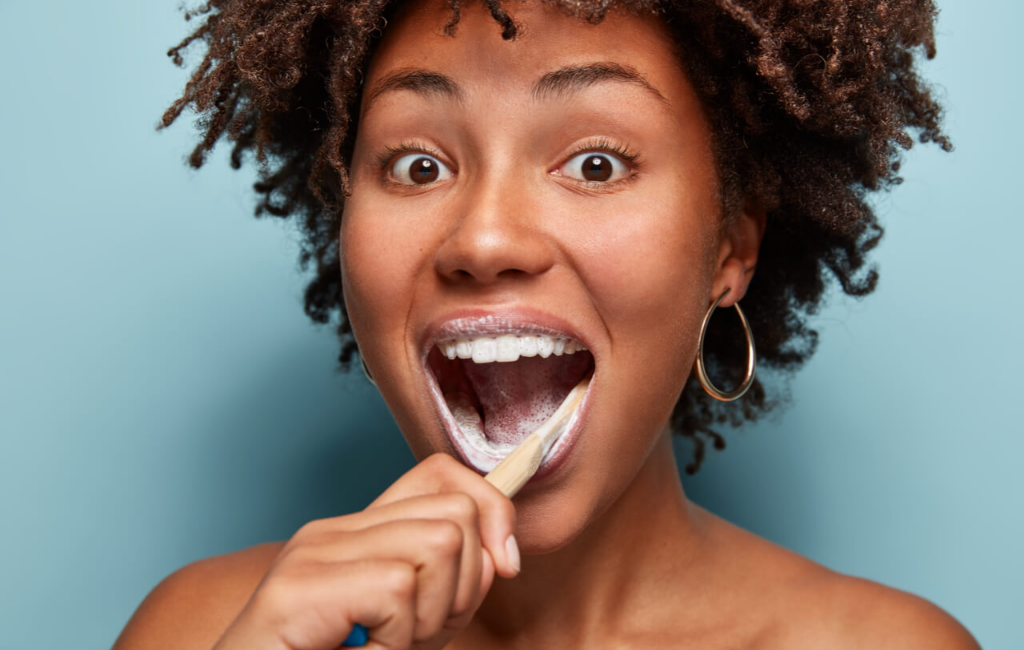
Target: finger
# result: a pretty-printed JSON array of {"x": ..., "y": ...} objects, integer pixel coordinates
[
  {"x": 459, "y": 621},
  {"x": 386, "y": 602},
  {"x": 440, "y": 473},
  {"x": 432, "y": 546},
  {"x": 317, "y": 605},
  {"x": 457, "y": 507}
]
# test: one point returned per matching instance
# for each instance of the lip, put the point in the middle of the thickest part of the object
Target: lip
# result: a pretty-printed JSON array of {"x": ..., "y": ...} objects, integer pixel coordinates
[
  {"x": 482, "y": 322},
  {"x": 566, "y": 444}
]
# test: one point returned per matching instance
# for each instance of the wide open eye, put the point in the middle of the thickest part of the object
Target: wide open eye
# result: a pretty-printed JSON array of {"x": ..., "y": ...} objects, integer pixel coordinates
[
  {"x": 595, "y": 167},
  {"x": 419, "y": 169}
]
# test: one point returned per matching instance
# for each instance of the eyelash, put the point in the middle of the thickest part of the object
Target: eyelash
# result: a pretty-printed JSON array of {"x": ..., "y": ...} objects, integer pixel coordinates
[
  {"x": 390, "y": 154},
  {"x": 604, "y": 145},
  {"x": 632, "y": 159},
  {"x": 607, "y": 146}
]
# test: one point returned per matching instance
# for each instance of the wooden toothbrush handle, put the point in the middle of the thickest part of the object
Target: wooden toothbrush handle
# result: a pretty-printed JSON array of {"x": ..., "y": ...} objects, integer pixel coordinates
[{"x": 516, "y": 469}]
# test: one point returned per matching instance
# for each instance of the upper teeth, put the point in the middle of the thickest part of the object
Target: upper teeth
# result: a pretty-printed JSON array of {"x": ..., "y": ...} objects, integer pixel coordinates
[{"x": 508, "y": 347}]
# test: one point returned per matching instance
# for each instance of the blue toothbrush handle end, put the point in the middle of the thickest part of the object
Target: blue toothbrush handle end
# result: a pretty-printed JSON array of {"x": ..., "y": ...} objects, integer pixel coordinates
[{"x": 357, "y": 637}]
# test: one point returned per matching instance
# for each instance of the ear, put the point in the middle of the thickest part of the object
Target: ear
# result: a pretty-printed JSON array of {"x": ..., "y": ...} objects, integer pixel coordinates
[{"x": 737, "y": 254}]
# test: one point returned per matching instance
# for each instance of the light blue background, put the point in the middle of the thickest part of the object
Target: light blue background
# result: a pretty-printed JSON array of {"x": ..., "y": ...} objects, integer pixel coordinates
[{"x": 163, "y": 397}]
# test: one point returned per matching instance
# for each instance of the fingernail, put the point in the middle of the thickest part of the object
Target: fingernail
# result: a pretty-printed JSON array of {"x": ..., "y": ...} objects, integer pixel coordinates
[{"x": 512, "y": 552}]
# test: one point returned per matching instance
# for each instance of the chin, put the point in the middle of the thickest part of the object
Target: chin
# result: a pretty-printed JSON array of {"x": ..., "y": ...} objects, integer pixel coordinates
[{"x": 551, "y": 520}]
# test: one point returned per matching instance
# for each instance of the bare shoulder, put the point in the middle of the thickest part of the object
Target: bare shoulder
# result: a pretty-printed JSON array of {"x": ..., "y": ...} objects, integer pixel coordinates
[
  {"x": 858, "y": 613},
  {"x": 193, "y": 606},
  {"x": 820, "y": 608},
  {"x": 795, "y": 603}
]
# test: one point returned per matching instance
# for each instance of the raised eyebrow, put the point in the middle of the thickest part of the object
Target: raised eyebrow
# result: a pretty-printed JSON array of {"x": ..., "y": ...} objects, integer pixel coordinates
[
  {"x": 425, "y": 82},
  {"x": 575, "y": 78}
]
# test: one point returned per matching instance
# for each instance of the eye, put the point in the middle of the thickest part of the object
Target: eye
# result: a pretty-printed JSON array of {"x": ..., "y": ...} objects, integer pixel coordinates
[
  {"x": 595, "y": 167},
  {"x": 419, "y": 169}
]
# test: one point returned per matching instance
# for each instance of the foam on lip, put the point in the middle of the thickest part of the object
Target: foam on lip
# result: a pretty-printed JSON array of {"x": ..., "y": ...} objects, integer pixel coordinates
[
  {"x": 519, "y": 321},
  {"x": 486, "y": 427}
]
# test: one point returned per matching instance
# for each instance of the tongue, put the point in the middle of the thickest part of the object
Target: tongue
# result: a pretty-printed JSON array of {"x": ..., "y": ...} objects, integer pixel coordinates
[{"x": 519, "y": 396}]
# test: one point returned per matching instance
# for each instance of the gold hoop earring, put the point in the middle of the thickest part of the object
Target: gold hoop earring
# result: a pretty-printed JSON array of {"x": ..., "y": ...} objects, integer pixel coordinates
[
  {"x": 702, "y": 375},
  {"x": 366, "y": 371}
]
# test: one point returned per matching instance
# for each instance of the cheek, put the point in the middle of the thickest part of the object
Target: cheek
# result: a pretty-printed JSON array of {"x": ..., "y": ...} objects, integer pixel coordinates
[
  {"x": 380, "y": 254},
  {"x": 652, "y": 259},
  {"x": 649, "y": 269},
  {"x": 649, "y": 280},
  {"x": 652, "y": 268}
]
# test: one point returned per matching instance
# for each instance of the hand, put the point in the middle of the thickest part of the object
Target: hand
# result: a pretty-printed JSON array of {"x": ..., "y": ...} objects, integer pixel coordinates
[{"x": 413, "y": 567}]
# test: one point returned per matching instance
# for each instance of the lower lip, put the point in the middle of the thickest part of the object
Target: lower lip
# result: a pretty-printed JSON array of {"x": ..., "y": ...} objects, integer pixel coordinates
[
  {"x": 560, "y": 451},
  {"x": 566, "y": 443}
]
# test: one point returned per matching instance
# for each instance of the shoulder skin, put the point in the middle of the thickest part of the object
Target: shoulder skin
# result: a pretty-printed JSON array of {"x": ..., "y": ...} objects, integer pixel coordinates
[
  {"x": 818, "y": 608},
  {"x": 797, "y": 604},
  {"x": 191, "y": 608},
  {"x": 871, "y": 615},
  {"x": 845, "y": 613}
]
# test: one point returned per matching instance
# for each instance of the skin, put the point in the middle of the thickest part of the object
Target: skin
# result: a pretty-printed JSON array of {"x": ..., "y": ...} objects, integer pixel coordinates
[{"x": 612, "y": 553}]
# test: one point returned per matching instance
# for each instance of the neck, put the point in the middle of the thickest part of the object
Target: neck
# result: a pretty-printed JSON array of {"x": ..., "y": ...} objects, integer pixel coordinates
[{"x": 608, "y": 580}]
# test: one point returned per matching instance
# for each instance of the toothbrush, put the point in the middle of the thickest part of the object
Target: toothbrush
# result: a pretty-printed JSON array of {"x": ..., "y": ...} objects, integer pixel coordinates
[{"x": 515, "y": 470}]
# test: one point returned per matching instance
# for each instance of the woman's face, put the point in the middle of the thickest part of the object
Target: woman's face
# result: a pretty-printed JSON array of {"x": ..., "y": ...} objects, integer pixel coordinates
[{"x": 507, "y": 194}]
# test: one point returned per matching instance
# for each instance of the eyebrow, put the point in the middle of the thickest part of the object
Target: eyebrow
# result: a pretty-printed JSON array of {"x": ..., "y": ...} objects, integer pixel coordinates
[
  {"x": 576, "y": 78},
  {"x": 557, "y": 83},
  {"x": 417, "y": 80}
]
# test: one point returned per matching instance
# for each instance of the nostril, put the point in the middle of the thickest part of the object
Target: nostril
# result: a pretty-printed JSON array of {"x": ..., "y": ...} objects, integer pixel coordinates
[
  {"x": 512, "y": 272},
  {"x": 506, "y": 273}
]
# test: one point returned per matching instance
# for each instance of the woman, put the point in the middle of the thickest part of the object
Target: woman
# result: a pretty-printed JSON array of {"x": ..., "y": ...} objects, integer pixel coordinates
[{"x": 527, "y": 176}]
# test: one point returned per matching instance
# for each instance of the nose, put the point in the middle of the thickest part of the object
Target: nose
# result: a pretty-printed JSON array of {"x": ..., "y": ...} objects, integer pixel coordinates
[{"x": 495, "y": 235}]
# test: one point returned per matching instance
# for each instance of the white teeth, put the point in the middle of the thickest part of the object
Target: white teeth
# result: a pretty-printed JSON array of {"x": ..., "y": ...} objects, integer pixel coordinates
[
  {"x": 485, "y": 350},
  {"x": 528, "y": 346},
  {"x": 545, "y": 346},
  {"x": 508, "y": 347}
]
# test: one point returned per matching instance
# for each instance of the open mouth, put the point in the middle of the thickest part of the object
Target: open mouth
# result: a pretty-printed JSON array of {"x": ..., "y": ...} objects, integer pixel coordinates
[{"x": 497, "y": 390}]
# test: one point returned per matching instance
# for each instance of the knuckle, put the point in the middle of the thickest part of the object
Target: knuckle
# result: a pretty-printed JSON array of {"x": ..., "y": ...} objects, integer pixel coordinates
[
  {"x": 296, "y": 556},
  {"x": 309, "y": 530},
  {"x": 440, "y": 463},
  {"x": 443, "y": 537},
  {"x": 462, "y": 507},
  {"x": 278, "y": 592},
  {"x": 398, "y": 579}
]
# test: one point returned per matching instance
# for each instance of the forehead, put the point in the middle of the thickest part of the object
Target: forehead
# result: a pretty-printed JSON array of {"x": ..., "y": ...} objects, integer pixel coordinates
[{"x": 548, "y": 39}]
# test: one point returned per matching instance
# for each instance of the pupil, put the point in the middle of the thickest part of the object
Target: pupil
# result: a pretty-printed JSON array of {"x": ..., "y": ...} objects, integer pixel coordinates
[
  {"x": 423, "y": 170},
  {"x": 597, "y": 168}
]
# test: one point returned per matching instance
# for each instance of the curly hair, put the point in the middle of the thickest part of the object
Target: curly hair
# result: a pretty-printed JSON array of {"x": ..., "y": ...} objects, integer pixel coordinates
[{"x": 810, "y": 104}]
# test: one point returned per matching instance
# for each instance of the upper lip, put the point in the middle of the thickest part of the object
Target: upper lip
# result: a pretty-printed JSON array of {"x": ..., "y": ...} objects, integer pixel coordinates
[{"x": 468, "y": 323}]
